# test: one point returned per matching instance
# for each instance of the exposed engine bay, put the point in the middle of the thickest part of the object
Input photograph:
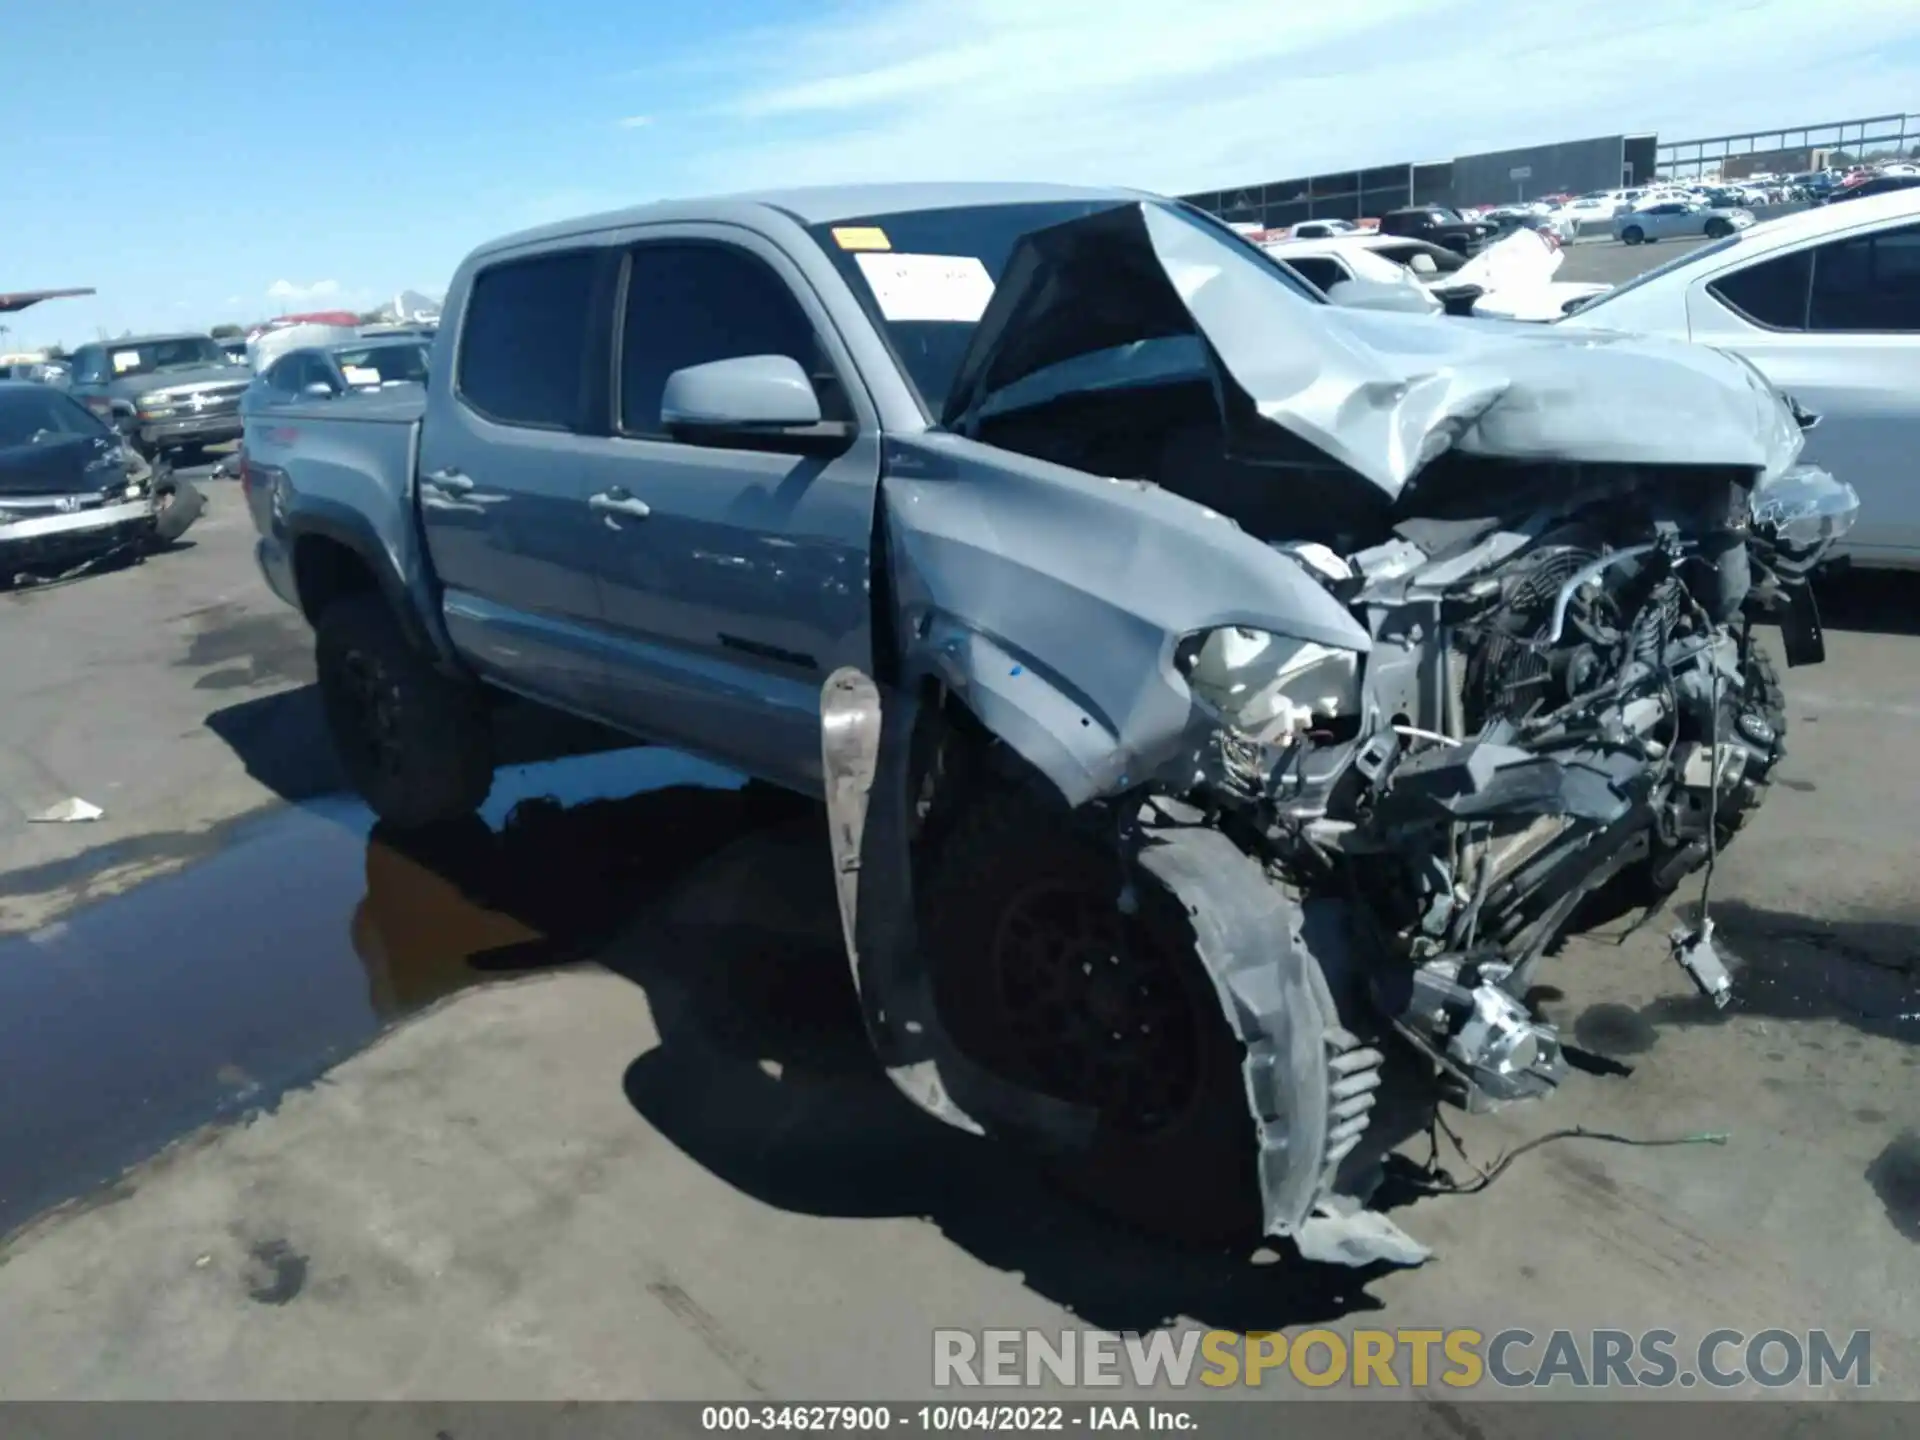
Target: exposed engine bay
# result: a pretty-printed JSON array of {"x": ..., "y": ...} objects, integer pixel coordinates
[{"x": 1548, "y": 702}]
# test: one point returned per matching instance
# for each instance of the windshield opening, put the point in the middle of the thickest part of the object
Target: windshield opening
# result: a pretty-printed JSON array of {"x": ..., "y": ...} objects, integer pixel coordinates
[
  {"x": 154, "y": 357},
  {"x": 383, "y": 364},
  {"x": 31, "y": 416},
  {"x": 936, "y": 271}
]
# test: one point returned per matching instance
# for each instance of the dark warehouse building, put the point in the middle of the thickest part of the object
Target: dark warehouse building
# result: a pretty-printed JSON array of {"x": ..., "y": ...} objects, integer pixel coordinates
[{"x": 1568, "y": 167}]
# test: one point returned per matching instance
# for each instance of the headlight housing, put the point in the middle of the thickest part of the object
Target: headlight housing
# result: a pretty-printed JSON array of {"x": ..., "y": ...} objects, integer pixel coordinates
[
  {"x": 1805, "y": 508},
  {"x": 1270, "y": 687}
]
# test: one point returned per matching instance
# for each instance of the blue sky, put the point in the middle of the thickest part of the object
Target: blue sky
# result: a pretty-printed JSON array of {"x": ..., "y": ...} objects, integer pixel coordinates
[{"x": 213, "y": 160}]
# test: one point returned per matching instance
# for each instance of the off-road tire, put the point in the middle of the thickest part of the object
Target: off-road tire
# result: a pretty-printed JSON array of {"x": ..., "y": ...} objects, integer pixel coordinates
[
  {"x": 427, "y": 758},
  {"x": 1195, "y": 1179},
  {"x": 1633, "y": 235}
]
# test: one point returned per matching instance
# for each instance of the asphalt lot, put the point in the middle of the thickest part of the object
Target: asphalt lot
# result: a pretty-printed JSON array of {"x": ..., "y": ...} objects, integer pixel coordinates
[
  {"x": 578, "y": 1106},
  {"x": 1608, "y": 262}
]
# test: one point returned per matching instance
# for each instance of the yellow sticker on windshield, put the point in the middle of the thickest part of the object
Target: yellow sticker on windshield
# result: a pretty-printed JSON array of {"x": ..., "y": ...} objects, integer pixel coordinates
[{"x": 861, "y": 237}]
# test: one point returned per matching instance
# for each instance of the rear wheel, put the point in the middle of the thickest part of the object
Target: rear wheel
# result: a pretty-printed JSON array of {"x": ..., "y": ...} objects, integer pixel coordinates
[
  {"x": 1632, "y": 235},
  {"x": 415, "y": 743},
  {"x": 1041, "y": 978}
]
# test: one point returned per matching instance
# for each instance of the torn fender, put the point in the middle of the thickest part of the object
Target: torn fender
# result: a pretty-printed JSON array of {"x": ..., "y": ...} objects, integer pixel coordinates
[
  {"x": 865, "y": 758},
  {"x": 1050, "y": 603},
  {"x": 1309, "y": 1083}
]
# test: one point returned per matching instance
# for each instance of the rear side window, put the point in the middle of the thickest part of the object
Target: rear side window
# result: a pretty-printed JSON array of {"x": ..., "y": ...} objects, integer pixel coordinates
[
  {"x": 1868, "y": 283},
  {"x": 1772, "y": 293},
  {"x": 524, "y": 341}
]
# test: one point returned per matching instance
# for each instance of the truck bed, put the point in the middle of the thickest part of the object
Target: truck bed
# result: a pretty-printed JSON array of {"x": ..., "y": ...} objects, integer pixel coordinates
[{"x": 350, "y": 458}]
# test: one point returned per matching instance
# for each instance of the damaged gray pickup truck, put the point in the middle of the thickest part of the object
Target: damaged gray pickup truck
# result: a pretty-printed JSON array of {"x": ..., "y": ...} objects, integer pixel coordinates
[{"x": 1214, "y": 692}]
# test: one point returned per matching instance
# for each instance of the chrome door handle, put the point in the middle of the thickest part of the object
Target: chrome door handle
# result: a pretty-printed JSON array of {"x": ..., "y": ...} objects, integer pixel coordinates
[
  {"x": 449, "y": 480},
  {"x": 617, "y": 500}
]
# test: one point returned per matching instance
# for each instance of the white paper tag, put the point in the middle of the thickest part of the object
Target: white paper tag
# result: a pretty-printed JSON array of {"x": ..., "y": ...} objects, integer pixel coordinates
[
  {"x": 125, "y": 360},
  {"x": 360, "y": 375},
  {"x": 952, "y": 288}
]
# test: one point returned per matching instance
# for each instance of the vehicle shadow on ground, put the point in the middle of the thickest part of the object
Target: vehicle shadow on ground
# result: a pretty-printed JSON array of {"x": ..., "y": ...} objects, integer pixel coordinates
[
  {"x": 282, "y": 740},
  {"x": 720, "y": 905},
  {"x": 1864, "y": 973},
  {"x": 1879, "y": 602}
]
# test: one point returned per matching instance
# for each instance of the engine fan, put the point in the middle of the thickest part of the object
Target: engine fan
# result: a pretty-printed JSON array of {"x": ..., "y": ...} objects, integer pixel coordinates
[{"x": 1510, "y": 670}]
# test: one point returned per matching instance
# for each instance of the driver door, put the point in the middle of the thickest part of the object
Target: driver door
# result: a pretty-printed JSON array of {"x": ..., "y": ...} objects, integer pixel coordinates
[{"x": 733, "y": 581}]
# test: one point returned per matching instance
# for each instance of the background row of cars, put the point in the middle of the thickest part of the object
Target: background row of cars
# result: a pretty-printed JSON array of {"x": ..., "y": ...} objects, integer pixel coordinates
[
  {"x": 1708, "y": 207},
  {"x": 172, "y": 396},
  {"x": 89, "y": 443}
]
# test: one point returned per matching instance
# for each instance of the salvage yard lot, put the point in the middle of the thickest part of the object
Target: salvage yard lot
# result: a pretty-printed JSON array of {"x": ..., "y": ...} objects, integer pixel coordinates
[{"x": 597, "y": 1118}]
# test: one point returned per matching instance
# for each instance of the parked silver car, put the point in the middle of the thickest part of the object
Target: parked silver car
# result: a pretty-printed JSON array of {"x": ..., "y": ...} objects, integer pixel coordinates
[
  {"x": 1827, "y": 304},
  {"x": 1676, "y": 219}
]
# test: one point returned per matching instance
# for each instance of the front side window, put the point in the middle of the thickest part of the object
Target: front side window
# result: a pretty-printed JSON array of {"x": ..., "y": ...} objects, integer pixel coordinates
[
  {"x": 524, "y": 341},
  {"x": 690, "y": 303},
  {"x": 1867, "y": 283}
]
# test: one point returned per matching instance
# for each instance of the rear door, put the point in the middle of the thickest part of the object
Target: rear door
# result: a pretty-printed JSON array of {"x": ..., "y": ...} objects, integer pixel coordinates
[
  {"x": 734, "y": 581},
  {"x": 1837, "y": 326},
  {"x": 502, "y": 475}
]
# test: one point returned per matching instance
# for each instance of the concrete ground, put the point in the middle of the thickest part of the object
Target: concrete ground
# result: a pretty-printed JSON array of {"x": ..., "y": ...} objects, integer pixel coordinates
[{"x": 578, "y": 1106}]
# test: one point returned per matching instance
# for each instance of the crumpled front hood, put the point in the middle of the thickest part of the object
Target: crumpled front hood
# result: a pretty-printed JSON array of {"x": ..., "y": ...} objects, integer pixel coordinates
[{"x": 1382, "y": 394}]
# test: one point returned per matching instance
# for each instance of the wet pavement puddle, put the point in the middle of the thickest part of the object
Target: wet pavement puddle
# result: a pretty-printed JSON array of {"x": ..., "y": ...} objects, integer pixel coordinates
[{"x": 207, "y": 993}]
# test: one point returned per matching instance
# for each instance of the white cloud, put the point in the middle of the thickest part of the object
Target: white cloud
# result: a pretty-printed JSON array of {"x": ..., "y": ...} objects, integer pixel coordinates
[
  {"x": 636, "y": 122},
  {"x": 1219, "y": 92},
  {"x": 318, "y": 290}
]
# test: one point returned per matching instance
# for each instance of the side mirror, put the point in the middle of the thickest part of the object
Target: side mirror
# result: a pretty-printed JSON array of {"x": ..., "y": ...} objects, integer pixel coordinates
[
  {"x": 751, "y": 401},
  {"x": 317, "y": 390}
]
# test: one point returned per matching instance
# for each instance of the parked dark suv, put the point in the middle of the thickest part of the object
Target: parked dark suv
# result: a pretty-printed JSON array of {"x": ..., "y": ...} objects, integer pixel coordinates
[
  {"x": 1438, "y": 224},
  {"x": 165, "y": 393}
]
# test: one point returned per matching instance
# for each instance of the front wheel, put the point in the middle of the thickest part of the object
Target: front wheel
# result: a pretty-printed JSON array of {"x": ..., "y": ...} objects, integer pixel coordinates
[
  {"x": 1718, "y": 229},
  {"x": 1632, "y": 235},
  {"x": 1041, "y": 978},
  {"x": 415, "y": 743}
]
